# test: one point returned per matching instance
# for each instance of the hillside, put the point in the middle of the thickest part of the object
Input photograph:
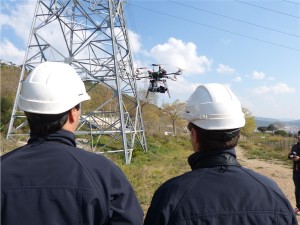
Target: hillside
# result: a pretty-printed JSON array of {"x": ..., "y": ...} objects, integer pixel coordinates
[
  {"x": 290, "y": 125},
  {"x": 9, "y": 77}
]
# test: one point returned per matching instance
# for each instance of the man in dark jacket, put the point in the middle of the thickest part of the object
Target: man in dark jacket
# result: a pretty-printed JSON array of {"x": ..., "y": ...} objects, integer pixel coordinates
[
  {"x": 49, "y": 181},
  {"x": 295, "y": 156},
  {"x": 218, "y": 190}
]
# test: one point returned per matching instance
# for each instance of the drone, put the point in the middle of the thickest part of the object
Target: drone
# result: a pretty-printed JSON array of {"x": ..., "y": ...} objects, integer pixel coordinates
[{"x": 158, "y": 78}]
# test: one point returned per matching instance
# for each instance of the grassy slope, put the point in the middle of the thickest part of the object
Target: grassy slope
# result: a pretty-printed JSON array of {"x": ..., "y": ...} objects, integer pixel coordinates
[
  {"x": 9, "y": 80},
  {"x": 166, "y": 157}
]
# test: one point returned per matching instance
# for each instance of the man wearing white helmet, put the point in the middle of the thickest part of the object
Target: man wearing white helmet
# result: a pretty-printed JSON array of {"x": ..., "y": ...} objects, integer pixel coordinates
[
  {"x": 50, "y": 181},
  {"x": 218, "y": 190}
]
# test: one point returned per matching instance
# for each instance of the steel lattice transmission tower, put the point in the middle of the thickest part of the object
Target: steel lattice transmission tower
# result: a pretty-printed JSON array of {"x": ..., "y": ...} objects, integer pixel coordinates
[{"x": 90, "y": 35}]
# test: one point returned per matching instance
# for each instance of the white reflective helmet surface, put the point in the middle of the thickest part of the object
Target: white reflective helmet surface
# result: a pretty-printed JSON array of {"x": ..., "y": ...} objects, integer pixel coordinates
[
  {"x": 52, "y": 88},
  {"x": 214, "y": 107}
]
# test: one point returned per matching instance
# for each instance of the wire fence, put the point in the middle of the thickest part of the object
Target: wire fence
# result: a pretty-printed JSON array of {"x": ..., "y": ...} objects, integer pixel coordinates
[{"x": 279, "y": 144}]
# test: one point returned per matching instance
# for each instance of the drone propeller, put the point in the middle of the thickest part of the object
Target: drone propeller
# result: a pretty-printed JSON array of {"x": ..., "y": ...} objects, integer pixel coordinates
[
  {"x": 139, "y": 78},
  {"x": 179, "y": 71},
  {"x": 154, "y": 64}
]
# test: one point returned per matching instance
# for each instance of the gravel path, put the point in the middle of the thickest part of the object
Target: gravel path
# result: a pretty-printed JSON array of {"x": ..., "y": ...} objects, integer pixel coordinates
[{"x": 280, "y": 173}]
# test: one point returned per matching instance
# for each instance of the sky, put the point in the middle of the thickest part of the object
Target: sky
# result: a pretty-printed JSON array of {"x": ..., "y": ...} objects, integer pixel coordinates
[{"x": 251, "y": 46}]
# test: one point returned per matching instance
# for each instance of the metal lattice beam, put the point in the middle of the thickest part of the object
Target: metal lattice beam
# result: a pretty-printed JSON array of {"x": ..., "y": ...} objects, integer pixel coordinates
[{"x": 91, "y": 36}]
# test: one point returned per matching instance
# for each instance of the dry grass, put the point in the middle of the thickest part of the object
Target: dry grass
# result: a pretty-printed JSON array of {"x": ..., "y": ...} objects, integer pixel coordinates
[{"x": 166, "y": 158}]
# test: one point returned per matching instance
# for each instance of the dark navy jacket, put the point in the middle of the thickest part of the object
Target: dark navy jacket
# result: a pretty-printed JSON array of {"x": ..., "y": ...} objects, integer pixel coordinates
[
  {"x": 218, "y": 191},
  {"x": 51, "y": 182},
  {"x": 296, "y": 165}
]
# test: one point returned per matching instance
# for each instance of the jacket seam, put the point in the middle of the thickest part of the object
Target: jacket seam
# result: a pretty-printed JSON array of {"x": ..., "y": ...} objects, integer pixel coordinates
[
  {"x": 106, "y": 208},
  {"x": 246, "y": 212},
  {"x": 12, "y": 188},
  {"x": 193, "y": 182},
  {"x": 271, "y": 190}
]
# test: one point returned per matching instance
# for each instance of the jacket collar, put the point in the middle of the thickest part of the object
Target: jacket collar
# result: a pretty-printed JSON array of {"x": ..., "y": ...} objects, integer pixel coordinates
[
  {"x": 213, "y": 159},
  {"x": 62, "y": 136}
]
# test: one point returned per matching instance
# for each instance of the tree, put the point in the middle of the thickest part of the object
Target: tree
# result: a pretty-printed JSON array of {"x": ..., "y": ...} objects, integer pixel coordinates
[
  {"x": 272, "y": 127},
  {"x": 6, "y": 108},
  {"x": 281, "y": 133},
  {"x": 172, "y": 113},
  {"x": 151, "y": 118},
  {"x": 262, "y": 129},
  {"x": 151, "y": 98},
  {"x": 250, "y": 124}
]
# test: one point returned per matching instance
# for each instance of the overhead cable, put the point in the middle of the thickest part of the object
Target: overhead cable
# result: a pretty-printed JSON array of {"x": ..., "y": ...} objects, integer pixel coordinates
[
  {"x": 286, "y": 14},
  {"x": 216, "y": 28},
  {"x": 291, "y": 2},
  {"x": 227, "y": 17}
]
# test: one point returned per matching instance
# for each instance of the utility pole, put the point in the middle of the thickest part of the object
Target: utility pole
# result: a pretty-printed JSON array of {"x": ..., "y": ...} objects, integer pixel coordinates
[{"x": 91, "y": 36}]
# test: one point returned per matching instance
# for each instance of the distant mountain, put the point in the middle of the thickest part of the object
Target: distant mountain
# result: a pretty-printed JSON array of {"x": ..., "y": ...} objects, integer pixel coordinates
[
  {"x": 264, "y": 122},
  {"x": 289, "y": 125},
  {"x": 293, "y": 122}
]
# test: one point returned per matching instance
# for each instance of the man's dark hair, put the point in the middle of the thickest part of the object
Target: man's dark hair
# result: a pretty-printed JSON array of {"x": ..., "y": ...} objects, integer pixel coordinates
[
  {"x": 213, "y": 140},
  {"x": 41, "y": 125}
]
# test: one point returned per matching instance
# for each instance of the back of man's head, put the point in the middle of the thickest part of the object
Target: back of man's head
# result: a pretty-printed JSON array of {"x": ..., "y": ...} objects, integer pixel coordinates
[
  {"x": 216, "y": 113},
  {"x": 47, "y": 95}
]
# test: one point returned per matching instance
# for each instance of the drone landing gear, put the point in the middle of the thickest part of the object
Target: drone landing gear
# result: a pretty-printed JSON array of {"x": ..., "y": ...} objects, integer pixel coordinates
[
  {"x": 153, "y": 87},
  {"x": 160, "y": 89}
]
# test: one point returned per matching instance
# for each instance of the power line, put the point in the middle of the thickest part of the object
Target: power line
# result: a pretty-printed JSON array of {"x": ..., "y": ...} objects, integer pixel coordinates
[
  {"x": 291, "y": 2},
  {"x": 217, "y": 28},
  {"x": 227, "y": 17},
  {"x": 286, "y": 14}
]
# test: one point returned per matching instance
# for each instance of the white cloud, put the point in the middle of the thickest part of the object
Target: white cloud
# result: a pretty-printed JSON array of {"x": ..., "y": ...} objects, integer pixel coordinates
[
  {"x": 225, "y": 69},
  {"x": 257, "y": 75},
  {"x": 19, "y": 18},
  {"x": 135, "y": 44},
  {"x": 226, "y": 41},
  {"x": 237, "y": 79},
  {"x": 177, "y": 53},
  {"x": 180, "y": 89},
  {"x": 10, "y": 53},
  {"x": 280, "y": 88}
]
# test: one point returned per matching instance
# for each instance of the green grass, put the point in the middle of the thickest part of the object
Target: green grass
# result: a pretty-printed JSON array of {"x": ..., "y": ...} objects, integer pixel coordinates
[
  {"x": 166, "y": 157},
  {"x": 269, "y": 148}
]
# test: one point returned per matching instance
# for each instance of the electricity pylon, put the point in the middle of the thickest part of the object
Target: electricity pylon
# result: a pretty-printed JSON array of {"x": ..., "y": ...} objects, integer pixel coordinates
[{"x": 91, "y": 36}]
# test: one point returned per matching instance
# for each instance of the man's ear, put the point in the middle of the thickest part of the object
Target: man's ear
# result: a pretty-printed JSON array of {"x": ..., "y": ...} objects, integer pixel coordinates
[
  {"x": 71, "y": 123},
  {"x": 195, "y": 139},
  {"x": 194, "y": 135},
  {"x": 72, "y": 115}
]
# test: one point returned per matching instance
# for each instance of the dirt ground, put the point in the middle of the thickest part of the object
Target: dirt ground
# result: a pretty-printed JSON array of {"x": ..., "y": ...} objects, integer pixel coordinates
[{"x": 280, "y": 173}]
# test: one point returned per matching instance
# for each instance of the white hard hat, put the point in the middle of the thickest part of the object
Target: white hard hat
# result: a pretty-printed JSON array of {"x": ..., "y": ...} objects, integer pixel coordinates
[
  {"x": 214, "y": 107},
  {"x": 52, "y": 88}
]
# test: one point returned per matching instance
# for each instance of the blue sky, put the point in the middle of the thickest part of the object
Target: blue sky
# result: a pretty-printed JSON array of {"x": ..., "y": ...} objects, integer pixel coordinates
[{"x": 252, "y": 46}]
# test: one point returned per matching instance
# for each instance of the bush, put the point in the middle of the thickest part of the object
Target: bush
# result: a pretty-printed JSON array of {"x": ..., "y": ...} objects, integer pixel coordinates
[
  {"x": 281, "y": 133},
  {"x": 6, "y": 110}
]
